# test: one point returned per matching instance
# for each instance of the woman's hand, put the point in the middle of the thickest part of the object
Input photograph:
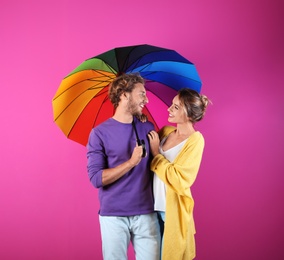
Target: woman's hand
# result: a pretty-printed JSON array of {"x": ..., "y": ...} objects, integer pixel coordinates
[{"x": 154, "y": 142}]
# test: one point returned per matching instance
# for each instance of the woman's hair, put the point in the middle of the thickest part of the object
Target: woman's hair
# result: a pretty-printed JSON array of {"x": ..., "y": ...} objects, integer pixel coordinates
[
  {"x": 122, "y": 84},
  {"x": 194, "y": 103}
]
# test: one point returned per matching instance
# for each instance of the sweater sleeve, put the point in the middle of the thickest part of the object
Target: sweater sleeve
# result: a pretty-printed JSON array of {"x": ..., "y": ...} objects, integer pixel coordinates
[
  {"x": 96, "y": 159},
  {"x": 181, "y": 173}
]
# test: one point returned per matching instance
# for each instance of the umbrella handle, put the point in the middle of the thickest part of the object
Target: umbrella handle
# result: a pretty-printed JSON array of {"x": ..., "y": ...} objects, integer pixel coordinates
[
  {"x": 140, "y": 142},
  {"x": 144, "y": 153}
]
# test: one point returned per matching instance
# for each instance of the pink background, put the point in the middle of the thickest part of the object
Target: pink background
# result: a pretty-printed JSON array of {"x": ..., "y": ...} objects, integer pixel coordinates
[{"x": 49, "y": 208}]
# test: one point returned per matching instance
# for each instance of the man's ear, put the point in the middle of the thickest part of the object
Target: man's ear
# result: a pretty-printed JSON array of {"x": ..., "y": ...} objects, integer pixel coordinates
[{"x": 125, "y": 95}]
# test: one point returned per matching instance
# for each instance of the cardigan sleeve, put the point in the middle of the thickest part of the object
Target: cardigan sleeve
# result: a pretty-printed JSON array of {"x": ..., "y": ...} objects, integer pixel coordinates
[{"x": 181, "y": 173}]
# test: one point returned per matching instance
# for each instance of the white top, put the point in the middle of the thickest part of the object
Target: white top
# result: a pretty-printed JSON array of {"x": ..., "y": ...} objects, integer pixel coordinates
[{"x": 159, "y": 188}]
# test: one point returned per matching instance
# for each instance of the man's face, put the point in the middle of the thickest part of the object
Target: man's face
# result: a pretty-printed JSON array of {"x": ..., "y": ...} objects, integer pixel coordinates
[{"x": 137, "y": 99}]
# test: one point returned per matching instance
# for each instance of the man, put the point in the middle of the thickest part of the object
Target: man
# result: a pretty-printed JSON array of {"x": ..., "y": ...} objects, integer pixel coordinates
[{"x": 116, "y": 167}]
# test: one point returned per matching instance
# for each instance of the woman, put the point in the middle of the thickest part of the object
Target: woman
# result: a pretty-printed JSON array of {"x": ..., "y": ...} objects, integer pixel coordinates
[{"x": 177, "y": 153}]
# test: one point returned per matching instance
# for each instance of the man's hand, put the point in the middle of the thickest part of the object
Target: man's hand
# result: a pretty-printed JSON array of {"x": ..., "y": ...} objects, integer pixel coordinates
[{"x": 136, "y": 155}]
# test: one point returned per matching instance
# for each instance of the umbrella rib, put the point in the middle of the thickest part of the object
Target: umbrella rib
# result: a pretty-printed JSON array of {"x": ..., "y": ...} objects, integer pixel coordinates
[
  {"x": 81, "y": 112},
  {"x": 99, "y": 110},
  {"x": 143, "y": 69},
  {"x": 150, "y": 114},
  {"x": 150, "y": 63},
  {"x": 92, "y": 87},
  {"x": 111, "y": 68},
  {"x": 152, "y": 117},
  {"x": 154, "y": 72},
  {"x": 157, "y": 97},
  {"x": 100, "y": 93},
  {"x": 136, "y": 63},
  {"x": 123, "y": 69}
]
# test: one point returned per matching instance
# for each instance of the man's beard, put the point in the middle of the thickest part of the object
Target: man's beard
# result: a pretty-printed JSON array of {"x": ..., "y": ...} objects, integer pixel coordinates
[{"x": 132, "y": 107}]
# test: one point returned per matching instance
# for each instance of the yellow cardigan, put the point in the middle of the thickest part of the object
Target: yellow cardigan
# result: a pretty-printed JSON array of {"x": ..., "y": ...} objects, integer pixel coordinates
[{"x": 179, "y": 242}]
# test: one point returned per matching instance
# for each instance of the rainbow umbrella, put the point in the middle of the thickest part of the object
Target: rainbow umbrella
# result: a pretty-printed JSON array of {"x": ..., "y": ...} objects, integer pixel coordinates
[{"x": 81, "y": 101}]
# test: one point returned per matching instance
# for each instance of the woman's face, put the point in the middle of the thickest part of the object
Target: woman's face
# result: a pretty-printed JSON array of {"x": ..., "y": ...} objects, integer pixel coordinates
[{"x": 177, "y": 112}]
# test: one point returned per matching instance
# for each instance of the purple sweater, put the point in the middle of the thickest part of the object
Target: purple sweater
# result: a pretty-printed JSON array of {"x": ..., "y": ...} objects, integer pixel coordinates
[{"x": 110, "y": 144}]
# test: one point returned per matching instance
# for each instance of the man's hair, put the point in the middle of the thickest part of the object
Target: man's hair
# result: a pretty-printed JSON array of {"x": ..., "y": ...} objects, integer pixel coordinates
[{"x": 123, "y": 84}]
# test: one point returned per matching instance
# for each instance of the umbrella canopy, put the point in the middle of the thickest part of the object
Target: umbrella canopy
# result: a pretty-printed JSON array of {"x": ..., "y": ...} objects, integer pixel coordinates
[{"x": 81, "y": 101}]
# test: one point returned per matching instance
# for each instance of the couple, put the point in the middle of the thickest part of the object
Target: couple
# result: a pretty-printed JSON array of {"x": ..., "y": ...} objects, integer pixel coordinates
[{"x": 129, "y": 210}]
